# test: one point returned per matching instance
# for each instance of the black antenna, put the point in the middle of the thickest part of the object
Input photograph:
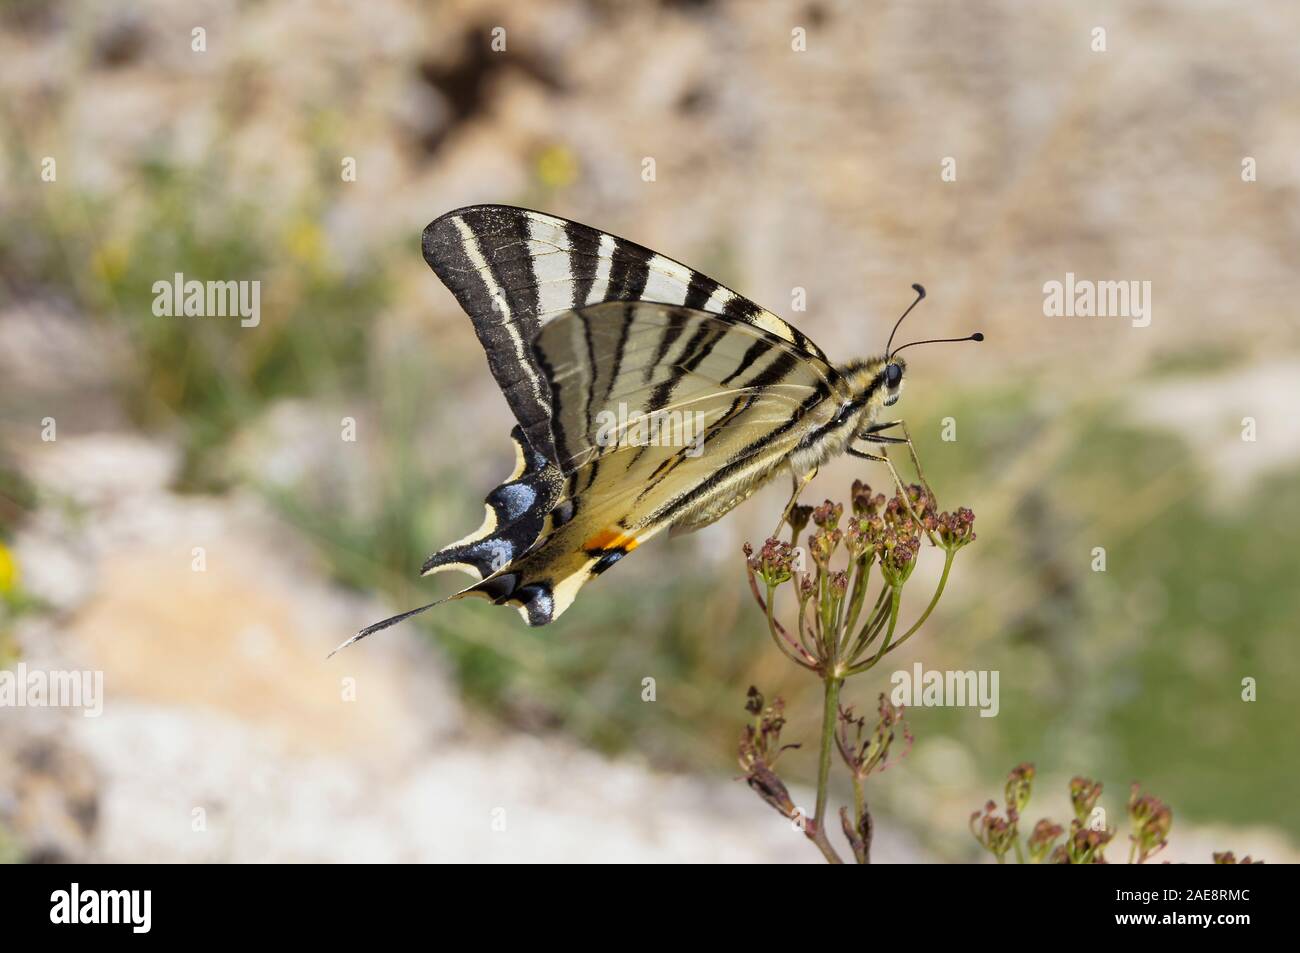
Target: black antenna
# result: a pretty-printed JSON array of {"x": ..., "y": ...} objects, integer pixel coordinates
[
  {"x": 977, "y": 336},
  {"x": 920, "y": 293}
]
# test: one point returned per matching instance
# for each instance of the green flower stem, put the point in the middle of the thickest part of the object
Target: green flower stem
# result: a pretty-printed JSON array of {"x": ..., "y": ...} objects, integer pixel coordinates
[
  {"x": 895, "y": 601},
  {"x": 871, "y": 628},
  {"x": 949, "y": 555},
  {"x": 861, "y": 583},
  {"x": 838, "y": 605},
  {"x": 826, "y": 616},
  {"x": 877, "y": 625},
  {"x": 829, "y": 715},
  {"x": 805, "y": 639},
  {"x": 896, "y": 593},
  {"x": 777, "y": 631},
  {"x": 776, "y": 638}
]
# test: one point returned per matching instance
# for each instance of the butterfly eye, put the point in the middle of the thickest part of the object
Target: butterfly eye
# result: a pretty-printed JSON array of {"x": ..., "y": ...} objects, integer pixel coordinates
[{"x": 893, "y": 374}]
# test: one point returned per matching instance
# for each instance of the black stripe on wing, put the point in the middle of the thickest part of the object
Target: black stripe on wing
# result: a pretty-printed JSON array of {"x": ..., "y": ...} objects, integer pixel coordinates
[
  {"x": 653, "y": 359},
  {"x": 482, "y": 256},
  {"x": 514, "y": 269}
]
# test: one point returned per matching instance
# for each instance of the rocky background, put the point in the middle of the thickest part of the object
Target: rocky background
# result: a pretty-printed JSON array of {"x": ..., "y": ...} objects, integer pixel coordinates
[{"x": 226, "y": 735}]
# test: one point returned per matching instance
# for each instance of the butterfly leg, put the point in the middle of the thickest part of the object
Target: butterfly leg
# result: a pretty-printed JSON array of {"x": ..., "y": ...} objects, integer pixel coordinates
[
  {"x": 898, "y": 482},
  {"x": 879, "y": 458},
  {"x": 797, "y": 486},
  {"x": 873, "y": 435}
]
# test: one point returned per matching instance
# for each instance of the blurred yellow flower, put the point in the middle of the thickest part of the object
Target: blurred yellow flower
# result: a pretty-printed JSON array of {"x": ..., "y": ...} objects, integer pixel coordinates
[
  {"x": 306, "y": 242},
  {"x": 557, "y": 167},
  {"x": 8, "y": 570},
  {"x": 109, "y": 261}
]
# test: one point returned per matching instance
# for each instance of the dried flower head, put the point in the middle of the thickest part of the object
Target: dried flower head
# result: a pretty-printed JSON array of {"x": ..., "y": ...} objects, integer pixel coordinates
[
  {"x": 955, "y": 530},
  {"x": 860, "y": 538},
  {"x": 995, "y": 834},
  {"x": 827, "y": 516},
  {"x": 1086, "y": 842},
  {"x": 897, "y": 554},
  {"x": 822, "y": 545},
  {"x": 1086, "y": 845},
  {"x": 1151, "y": 819},
  {"x": 774, "y": 563},
  {"x": 1042, "y": 838},
  {"x": 1020, "y": 784},
  {"x": 798, "y": 518},
  {"x": 1084, "y": 795},
  {"x": 867, "y": 752},
  {"x": 864, "y": 503},
  {"x": 842, "y": 629},
  {"x": 760, "y": 748},
  {"x": 1228, "y": 857}
]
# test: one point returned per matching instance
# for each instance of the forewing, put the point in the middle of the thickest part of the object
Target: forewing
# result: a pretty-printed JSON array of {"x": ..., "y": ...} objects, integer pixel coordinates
[{"x": 513, "y": 270}]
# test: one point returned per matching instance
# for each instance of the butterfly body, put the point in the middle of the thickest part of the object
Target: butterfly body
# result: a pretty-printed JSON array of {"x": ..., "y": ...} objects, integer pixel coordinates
[
  {"x": 865, "y": 392},
  {"x": 648, "y": 396}
]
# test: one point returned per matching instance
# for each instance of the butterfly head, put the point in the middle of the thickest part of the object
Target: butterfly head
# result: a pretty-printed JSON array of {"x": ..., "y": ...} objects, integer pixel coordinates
[
  {"x": 873, "y": 383},
  {"x": 891, "y": 367},
  {"x": 892, "y": 380}
]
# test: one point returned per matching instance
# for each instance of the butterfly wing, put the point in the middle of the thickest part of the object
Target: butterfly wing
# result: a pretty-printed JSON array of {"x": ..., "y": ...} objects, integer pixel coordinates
[
  {"x": 514, "y": 270},
  {"x": 623, "y": 374},
  {"x": 576, "y": 504},
  {"x": 662, "y": 415}
]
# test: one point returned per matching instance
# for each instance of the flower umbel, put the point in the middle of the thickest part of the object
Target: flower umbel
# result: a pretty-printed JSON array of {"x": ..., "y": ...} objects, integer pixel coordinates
[
  {"x": 1084, "y": 795},
  {"x": 1020, "y": 785},
  {"x": 995, "y": 833},
  {"x": 841, "y": 629},
  {"x": 1042, "y": 838},
  {"x": 1149, "y": 817},
  {"x": 1151, "y": 820},
  {"x": 760, "y": 747},
  {"x": 866, "y": 752}
]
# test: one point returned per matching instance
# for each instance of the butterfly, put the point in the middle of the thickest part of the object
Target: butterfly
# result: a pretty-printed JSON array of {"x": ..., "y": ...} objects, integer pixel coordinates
[{"x": 647, "y": 397}]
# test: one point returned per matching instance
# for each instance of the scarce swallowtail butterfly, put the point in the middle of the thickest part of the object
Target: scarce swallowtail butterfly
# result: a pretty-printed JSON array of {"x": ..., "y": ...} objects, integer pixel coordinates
[{"x": 648, "y": 397}]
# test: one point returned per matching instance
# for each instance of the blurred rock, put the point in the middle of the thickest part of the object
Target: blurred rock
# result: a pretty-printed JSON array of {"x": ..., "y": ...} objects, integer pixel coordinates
[
  {"x": 49, "y": 790},
  {"x": 1208, "y": 410}
]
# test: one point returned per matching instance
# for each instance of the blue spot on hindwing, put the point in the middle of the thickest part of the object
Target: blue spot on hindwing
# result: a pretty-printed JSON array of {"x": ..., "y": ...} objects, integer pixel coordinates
[{"x": 516, "y": 499}]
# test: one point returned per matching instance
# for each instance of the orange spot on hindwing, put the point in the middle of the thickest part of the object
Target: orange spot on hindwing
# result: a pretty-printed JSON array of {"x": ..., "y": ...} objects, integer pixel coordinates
[{"x": 612, "y": 538}]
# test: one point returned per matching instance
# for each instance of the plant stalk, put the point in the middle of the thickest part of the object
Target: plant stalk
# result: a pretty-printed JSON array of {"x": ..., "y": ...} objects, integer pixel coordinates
[{"x": 829, "y": 715}]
